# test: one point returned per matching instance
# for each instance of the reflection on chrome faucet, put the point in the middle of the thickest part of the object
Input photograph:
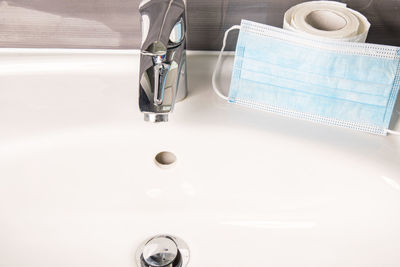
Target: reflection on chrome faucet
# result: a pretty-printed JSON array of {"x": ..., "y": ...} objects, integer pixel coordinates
[{"x": 163, "y": 57}]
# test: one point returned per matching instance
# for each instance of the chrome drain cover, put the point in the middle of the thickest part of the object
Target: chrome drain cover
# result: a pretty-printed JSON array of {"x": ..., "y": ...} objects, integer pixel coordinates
[{"x": 162, "y": 251}]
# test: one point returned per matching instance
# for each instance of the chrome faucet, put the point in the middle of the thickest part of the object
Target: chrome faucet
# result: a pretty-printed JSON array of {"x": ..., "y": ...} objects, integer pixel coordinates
[{"x": 163, "y": 57}]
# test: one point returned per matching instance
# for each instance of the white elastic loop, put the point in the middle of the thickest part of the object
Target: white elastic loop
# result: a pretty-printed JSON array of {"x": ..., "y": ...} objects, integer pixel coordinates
[
  {"x": 217, "y": 66},
  {"x": 393, "y": 132}
]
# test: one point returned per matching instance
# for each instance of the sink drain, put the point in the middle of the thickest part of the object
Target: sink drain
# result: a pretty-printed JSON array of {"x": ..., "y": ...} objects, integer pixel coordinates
[
  {"x": 162, "y": 251},
  {"x": 165, "y": 159}
]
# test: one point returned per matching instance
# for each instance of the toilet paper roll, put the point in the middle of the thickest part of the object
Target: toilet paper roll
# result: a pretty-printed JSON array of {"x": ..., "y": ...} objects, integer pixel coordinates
[{"x": 328, "y": 19}]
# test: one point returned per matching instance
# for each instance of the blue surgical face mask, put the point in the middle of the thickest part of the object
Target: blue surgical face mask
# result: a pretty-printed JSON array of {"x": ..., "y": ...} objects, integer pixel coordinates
[{"x": 352, "y": 85}]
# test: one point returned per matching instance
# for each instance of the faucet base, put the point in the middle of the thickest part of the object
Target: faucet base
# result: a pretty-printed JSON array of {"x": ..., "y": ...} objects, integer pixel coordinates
[{"x": 154, "y": 117}]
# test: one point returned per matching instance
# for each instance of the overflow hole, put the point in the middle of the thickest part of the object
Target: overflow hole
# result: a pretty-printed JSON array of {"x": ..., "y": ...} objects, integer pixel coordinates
[{"x": 165, "y": 159}]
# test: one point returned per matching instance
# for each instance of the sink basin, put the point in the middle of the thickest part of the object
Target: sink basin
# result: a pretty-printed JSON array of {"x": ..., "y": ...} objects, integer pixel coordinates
[{"x": 79, "y": 185}]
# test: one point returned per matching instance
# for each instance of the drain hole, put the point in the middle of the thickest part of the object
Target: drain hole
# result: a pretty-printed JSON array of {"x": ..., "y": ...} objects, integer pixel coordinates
[{"x": 165, "y": 159}]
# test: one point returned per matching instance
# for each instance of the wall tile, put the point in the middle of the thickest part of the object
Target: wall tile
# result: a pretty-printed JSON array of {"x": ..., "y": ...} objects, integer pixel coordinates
[{"x": 115, "y": 23}]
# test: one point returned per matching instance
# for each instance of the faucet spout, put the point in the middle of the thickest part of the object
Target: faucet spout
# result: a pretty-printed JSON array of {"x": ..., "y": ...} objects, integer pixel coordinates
[
  {"x": 154, "y": 117},
  {"x": 163, "y": 58}
]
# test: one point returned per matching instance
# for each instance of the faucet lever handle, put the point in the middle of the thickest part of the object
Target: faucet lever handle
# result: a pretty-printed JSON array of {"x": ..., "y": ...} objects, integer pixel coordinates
[
  {"x": 160, "y": 77},
  {"x": 158, "y": 53}
]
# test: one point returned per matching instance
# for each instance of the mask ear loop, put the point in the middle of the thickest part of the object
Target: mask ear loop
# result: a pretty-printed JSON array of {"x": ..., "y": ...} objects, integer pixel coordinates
[
  {"x": 393, "y": 132},
  {"x": 218, "y": 65}
]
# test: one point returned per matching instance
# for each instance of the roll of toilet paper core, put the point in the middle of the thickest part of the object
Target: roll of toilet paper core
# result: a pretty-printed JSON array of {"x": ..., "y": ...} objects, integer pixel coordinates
[{"x": 328, "y": 19}]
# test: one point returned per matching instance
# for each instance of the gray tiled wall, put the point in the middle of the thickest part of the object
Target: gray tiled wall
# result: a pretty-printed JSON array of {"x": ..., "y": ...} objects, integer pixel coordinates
[{"x": 115, "y": 23}]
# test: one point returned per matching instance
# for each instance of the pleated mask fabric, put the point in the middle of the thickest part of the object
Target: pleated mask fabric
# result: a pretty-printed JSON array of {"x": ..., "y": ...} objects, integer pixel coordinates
[{"x": 346, "y": 84}]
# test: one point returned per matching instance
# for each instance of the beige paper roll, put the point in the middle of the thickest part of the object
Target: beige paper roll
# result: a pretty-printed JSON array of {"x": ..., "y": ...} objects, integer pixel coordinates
[{"x": 327, "y": 19}]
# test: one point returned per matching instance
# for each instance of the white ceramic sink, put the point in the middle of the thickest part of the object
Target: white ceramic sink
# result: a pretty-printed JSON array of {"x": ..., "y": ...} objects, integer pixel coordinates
[{"x": 79, "y": 186}]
